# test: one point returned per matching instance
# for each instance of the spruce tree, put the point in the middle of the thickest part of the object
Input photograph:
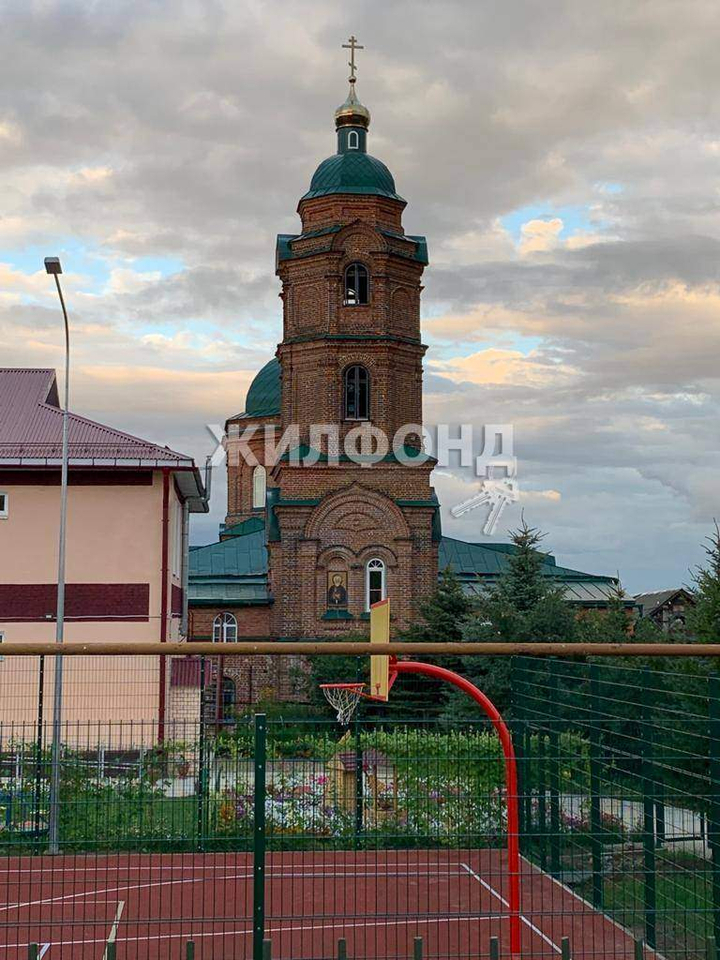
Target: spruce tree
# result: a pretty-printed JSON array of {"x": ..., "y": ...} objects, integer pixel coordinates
[
  {"x": 442, "y": 617},
  {"x": 704, "y": 617},
  {"x": 524, "y": 605}
]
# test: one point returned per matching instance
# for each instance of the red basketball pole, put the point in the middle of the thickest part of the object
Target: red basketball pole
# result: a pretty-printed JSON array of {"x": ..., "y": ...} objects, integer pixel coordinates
[{"x": 491, "y": 711}]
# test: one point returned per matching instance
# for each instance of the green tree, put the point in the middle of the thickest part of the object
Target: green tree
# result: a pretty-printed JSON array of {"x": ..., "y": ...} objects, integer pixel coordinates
[
  {"x": 441, "y": 620},
  {"x": 524, "y": 605},
  {"x": 704, "y": 617},
  {"x": 442, "y": 616},
  {"x": 612, "y": 624}
]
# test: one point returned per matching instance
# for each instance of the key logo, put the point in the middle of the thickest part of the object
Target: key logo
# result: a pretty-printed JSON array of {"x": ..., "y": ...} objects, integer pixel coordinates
[{"x": 497, "y": 468}]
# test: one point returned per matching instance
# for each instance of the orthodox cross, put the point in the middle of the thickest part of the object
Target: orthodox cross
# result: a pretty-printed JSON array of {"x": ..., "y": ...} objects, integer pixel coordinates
[{"x": 352, "y": 45}]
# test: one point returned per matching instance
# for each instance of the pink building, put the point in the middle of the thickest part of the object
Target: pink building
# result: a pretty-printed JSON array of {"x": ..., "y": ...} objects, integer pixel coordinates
[{"x": 126, "y": 562}]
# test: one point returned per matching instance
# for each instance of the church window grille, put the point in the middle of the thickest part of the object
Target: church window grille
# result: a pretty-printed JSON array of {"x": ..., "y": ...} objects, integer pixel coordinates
[
  {"x": 374, "y": 582},
  {"x": 357, "y": 393},
  {"x": 357, "y": 285},
  {"x": 224, "y": 628}
]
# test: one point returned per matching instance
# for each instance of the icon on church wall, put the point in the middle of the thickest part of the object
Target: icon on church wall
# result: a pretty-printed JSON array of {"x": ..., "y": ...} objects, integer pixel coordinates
[{"x": 337, "y": 590}]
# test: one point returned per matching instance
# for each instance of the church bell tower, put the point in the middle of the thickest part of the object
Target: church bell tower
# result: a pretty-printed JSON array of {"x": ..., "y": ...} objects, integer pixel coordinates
[{"x": 352, "y": 517}]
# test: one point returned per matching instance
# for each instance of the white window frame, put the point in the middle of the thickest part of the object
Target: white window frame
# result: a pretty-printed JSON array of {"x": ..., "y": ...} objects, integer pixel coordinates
[
  {"x": 5, "y": 509},
  {"x": 374, "y": 565},
  {"x": 2, "y": 640},
  {"x": 353, "y": 140},
  {"x": 259, "y": 487},
  {"x": 225, "y": 623}
]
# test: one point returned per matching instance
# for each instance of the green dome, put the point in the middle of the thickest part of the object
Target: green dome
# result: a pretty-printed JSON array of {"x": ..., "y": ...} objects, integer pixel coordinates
[
  {"x": 263, "y": 397},
  {"x": 352, "y": 173}
]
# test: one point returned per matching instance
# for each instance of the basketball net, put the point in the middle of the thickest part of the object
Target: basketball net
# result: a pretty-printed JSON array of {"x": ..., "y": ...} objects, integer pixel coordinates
[{"x": 343, "y": 698}]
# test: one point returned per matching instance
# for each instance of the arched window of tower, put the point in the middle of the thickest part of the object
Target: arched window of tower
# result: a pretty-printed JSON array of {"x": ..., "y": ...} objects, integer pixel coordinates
[
  {"x": 357, "y": 393},
  {"x": 353, "y": 140},
  {"x": 357, "y": 285},
  {"x": 259, "y": 486}
]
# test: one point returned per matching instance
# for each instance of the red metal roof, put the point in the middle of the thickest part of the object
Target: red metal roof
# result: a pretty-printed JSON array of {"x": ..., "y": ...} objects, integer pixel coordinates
[
  {"x": 31, "y": 426},
  {"x": 185, "y": 673}
]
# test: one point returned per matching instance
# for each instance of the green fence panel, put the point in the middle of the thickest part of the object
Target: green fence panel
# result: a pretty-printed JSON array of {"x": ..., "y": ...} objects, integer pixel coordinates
[
  {"x": 259, "y": 795},
  {"x": 596, "y": 779},
  {"x": 714, "y": 796},
  {"x": 648, "y": 784}
]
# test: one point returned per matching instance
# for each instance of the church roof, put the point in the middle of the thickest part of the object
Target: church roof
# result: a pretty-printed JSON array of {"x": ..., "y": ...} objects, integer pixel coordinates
[
  {"x": 478, "y": 565},
  {"x": 234, "y": 571},
  {"x": 263, "y": 396},
  {"x": 231, "y": 572},
  {"x": 357, "y": 173}
]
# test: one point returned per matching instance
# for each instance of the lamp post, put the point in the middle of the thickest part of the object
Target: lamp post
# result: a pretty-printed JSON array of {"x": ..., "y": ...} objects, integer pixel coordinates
[{"x": 52, "y": 266}]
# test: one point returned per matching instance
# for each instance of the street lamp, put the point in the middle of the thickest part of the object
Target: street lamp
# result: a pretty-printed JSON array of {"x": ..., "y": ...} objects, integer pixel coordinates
[{"x": 52, "y": 266}]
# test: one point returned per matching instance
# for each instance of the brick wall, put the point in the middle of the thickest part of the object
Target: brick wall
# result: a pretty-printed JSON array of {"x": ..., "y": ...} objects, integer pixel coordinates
[
  {"x": 252, "y": 621},
  {"x": 357, "y": 518}
]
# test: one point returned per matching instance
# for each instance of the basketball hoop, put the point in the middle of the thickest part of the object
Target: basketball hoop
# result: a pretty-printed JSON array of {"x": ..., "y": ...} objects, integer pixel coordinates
[{"x": 344, "y": 698}]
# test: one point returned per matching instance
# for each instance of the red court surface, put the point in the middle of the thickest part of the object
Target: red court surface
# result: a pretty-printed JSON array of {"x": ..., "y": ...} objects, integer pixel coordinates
[{"x": 379, "y": 901}]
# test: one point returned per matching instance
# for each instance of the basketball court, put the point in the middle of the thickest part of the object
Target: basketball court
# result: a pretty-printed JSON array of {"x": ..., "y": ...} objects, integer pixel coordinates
[
  {"x": 378, "y": 901},
  {"x": 462, "y": 903}
]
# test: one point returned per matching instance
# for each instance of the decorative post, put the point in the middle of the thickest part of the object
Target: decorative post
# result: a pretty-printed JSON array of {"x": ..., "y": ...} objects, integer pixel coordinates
[{"x": 358, "y": 784}]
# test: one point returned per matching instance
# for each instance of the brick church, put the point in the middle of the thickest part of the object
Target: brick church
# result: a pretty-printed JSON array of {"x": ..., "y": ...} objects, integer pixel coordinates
[{"x": 312, "y": 537}]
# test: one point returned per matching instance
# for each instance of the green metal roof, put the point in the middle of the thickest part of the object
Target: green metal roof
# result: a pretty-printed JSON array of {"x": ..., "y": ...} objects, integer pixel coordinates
[
  {"x": 478, "y": 565},
  {"x": 235, "y": 557},
  {"x": 488, "y": 559},
  {"x": 352, "y": 173},
  {"x": 251, "y": 525},
  {"x": 234, "y": 571},
  {"x": 263, "y": 397}
]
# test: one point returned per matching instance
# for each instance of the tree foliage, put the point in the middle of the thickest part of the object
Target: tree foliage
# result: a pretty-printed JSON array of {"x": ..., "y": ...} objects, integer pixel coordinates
[
  {"x": 704, "y": 617},
  {"x": 524, "y": 605}
]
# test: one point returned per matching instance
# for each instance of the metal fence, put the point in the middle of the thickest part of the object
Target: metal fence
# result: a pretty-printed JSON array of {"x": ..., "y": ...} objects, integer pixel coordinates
[
  {"x": 620, "y": 770},
  {"x": 241, "y": 833}
]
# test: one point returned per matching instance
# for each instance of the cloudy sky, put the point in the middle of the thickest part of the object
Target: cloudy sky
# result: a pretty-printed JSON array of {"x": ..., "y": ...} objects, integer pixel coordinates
[{"x": 563, "y": 160}]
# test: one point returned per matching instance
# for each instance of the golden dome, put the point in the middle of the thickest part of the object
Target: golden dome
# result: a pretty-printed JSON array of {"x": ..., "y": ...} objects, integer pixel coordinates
[{"x": 352, "y": 112}]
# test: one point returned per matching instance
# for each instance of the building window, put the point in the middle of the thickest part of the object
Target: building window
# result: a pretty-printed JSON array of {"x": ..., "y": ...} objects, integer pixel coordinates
[
  {"x": 259, "y": 485},
  {"x": 374, "y": 582},
  {"x": 229, "y": 699},
  {"x": 224, "y": 628},
  {"x": 3, "y": 505},
  {"x": 353, "y": 140},
  {"x": 2, "y": 640},
  {"x": 356, "y": 285},
  {"x": 357, "y": 393}
]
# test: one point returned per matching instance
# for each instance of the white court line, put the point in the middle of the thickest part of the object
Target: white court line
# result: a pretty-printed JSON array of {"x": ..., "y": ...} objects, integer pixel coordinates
[
  {"x": 341, "y": 924},
  {"x": 592, "y": 909},
  {"x": 502, "y": 900},
  {"x": 191, "y": 879},
  {"x": 97, "y": 893},
  {"x": 70, "y": 872},
  {"x": 114, "y": 929}
]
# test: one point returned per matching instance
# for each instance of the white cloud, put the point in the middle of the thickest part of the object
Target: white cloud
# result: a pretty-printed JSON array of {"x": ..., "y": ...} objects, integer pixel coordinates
[
  {"x": 540, "y": 236},
  {"x": 158, "y": 131}
]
